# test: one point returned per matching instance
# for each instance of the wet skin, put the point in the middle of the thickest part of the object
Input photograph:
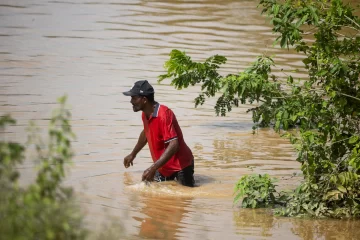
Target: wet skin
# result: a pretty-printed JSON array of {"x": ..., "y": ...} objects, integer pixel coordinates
[{"x": 137, "y": 102}]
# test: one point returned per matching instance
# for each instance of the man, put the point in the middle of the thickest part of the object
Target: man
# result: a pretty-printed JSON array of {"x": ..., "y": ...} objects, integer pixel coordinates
[{"x": 172, "y": 158}]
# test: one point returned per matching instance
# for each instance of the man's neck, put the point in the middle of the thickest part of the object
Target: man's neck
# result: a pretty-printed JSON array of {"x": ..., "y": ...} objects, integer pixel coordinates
[{"x": 149, "y": 109}]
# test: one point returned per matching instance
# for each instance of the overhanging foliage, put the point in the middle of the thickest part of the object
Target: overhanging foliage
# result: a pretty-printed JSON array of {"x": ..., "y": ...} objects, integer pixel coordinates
[{"x": 324, "y": 108}]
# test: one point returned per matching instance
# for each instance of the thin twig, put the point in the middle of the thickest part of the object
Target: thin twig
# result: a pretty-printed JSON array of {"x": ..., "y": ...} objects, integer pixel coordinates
[
  {"x": 344, "y": 26},
  {"x": 348, "y": 96},
  {"x": 340, "y": 140},
  {"x": 342, "y": 35},
  {"x": 353, "y": 21}
]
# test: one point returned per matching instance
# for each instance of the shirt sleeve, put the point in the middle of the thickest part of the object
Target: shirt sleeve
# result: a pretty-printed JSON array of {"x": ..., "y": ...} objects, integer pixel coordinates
[{"x": 169, "y": 130}]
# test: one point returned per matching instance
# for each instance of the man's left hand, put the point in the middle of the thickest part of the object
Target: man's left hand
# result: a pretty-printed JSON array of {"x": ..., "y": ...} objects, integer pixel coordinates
[{"x": 149, "y": 174}]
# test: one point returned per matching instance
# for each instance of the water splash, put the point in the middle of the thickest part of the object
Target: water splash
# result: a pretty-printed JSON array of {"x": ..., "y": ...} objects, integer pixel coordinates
[{"x": 172, "y": 188}]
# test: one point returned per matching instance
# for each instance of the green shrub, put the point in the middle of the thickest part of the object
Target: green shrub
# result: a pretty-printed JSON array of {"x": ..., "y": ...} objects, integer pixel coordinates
[
  {"x": 256, "y": 191},
  {"x": 324, "y": 108},
  {"x": 43, "y": 209}
]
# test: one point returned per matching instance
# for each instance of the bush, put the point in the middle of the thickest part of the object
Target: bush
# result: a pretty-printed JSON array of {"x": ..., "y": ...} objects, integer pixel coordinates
[
  {"x": 256, "y": 191},
  {"x": 323, "y": 108},
  {"x": 43, "y": 209}
]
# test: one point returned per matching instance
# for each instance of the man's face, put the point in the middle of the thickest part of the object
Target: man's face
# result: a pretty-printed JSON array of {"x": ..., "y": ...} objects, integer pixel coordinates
[{"x": 138, "y": 103}]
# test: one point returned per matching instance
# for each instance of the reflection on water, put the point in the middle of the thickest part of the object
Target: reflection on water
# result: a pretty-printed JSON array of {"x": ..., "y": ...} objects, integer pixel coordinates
[
  {"x": 163, "y": 217},
  {"x": 248, "y": 221},
  {"x": 93, "y": 50},
  {"x": 325, "y": 229},
  {"x": 252, "y": 222}
]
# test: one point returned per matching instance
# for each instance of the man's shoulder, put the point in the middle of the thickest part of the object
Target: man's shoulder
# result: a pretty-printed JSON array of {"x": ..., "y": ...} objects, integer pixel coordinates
[{"x": 163, "y": 109}]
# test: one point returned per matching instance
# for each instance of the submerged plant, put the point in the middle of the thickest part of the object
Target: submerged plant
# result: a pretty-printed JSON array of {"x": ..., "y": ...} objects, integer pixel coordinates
[{"x": 256, "y": 191}]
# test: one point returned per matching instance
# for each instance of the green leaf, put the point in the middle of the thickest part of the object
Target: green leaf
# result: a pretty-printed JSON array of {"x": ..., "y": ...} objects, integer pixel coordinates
[
  {"x": 285, "y": 115},
  {"x": 293, "y": 118},
  {"x": 277, "y": 124},
  {"x": 341, "y": 189},
  {"x": 323, "y": 72},
  {"x": 277, "y": 20},
  {"x": 290, "y": 79},
  {"x": 283, "y": 41},
  {"x": 353, "y": 139},
  {"x": 331, "y": 194},
  {"x": 342, "y": 178},
  {"x": 307, "y": 61}
]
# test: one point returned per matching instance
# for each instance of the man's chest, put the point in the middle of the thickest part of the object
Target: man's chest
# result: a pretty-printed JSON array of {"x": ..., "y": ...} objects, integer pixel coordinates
[{"x": 154, "y": 130}]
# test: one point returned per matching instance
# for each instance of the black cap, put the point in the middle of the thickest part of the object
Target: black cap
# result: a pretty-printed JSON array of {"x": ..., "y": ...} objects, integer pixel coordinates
[{"x": 140, "y": 88}]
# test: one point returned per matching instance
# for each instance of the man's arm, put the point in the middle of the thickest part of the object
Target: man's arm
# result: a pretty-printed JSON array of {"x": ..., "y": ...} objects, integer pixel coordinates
[
  {"x": 171, "y": 149},
  {"x": 139, "y": 145}
]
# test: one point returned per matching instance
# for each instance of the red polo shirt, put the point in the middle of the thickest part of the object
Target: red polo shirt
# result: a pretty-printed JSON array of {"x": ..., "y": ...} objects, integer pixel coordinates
[{"x": 160, "y": 129}]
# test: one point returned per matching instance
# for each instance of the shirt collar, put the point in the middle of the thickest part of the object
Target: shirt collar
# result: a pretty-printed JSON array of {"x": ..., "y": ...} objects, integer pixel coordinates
[{"x": 156, "y": 110}]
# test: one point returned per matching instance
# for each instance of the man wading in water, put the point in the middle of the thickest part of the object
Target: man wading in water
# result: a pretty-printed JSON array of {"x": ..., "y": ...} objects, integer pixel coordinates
[{"x": 172, "y": 158}]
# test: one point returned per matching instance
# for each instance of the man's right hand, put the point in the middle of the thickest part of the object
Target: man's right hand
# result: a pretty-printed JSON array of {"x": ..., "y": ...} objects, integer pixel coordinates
[{"x": 128, "y": 160}]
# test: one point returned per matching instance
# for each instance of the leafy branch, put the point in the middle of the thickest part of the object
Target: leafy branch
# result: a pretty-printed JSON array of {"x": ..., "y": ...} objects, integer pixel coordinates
[{"x": 324, "y": 108}]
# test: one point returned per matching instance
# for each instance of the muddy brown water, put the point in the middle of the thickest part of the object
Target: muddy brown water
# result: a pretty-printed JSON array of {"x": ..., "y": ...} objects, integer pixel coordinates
[{"x": 94, "y": 50}]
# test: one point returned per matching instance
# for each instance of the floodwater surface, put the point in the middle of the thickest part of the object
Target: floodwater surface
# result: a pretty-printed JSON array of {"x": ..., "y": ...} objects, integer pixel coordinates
[{"x": 94, "y": 50}]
